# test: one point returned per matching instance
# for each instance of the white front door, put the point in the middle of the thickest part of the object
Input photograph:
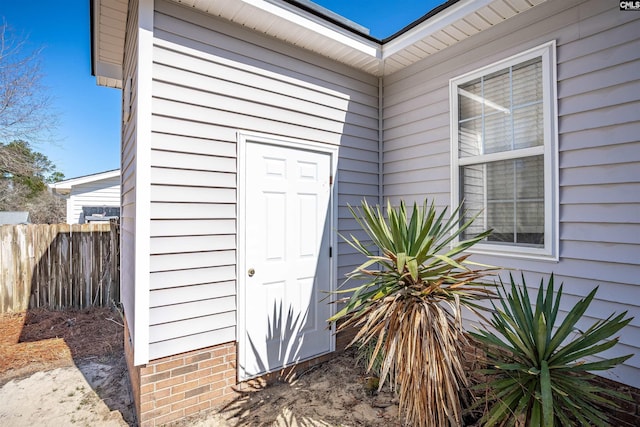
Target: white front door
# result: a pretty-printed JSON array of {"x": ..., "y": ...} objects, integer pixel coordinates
[{"x": 287, "y": 265}]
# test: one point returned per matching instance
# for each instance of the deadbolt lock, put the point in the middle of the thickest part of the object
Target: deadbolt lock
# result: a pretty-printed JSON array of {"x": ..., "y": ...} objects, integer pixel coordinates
[{"x": 251, "y": 272}]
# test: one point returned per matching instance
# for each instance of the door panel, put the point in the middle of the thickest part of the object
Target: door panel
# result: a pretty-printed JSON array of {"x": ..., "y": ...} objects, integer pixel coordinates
[{"x": 287, "y": 237}]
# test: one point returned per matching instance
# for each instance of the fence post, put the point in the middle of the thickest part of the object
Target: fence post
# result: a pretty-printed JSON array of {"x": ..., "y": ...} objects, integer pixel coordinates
[
  {"x": 23, "y": 272},
  {"x": 114, "y": 261},
  {"x": 5, "y": 262}
]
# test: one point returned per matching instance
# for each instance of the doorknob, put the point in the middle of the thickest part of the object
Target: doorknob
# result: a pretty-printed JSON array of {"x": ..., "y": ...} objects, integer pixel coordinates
[{"x": 251, "y": 272}]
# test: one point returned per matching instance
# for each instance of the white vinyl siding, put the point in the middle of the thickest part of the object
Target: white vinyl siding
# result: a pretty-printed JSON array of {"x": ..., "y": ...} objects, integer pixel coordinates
[
  {"x": 211, "y": 80},
  {"x": 598, "y": 125},
  {"x": 128, "y": 178},
  {"x": 503, "y": 153},
  {"x": 105, "y": 192}
]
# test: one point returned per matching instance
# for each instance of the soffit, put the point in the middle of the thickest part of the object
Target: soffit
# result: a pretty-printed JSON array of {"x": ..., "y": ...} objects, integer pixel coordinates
[
  {"x": 68, "y": 183},
  {"x": 109, "y": 20},
  {"x": 457, "y": 22},
  {"x": 291, "y": 24}
]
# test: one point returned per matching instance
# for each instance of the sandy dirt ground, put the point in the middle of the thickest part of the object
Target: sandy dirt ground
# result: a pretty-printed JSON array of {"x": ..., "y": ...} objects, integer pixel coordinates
[
  {"x": 63, "y": 368},
  {"x": 60, "y": 397},
  {"x": 67, "y": 368},
  {"x": 334, "y": 394}
]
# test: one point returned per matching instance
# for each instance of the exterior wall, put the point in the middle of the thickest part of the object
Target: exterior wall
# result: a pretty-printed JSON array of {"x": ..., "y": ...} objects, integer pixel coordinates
[
  {"x": 212, "y": 80},
  {"x": 105, "y": 192},
  {"x": 128, "y": 179},
  {"x": 599, "y": 151}
]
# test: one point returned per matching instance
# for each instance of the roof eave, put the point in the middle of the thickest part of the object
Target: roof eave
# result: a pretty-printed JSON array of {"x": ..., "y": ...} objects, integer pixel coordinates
[
  {"x": 68, "y": 183},
  {"x": 107, "y": 56},
  {"x": 333, "y": 38},
  {"x": 433, "y": 23}
]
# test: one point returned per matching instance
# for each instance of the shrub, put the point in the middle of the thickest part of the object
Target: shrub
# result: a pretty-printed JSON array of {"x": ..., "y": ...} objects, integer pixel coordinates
[
  {"x": 410, "y": 305},
  {"x": 537, "y": 371}
]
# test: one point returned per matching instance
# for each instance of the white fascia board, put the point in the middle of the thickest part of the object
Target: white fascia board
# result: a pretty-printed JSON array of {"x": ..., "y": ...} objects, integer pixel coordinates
[
  {"x": 317, "y": 25},
  {"x": 95, "y": 35},
  {"x": 68, "y": 183},
  {"x": 333, "y": 15},
  {"x": 107, "y": 82},
  {"x": 432, "y": 25}
]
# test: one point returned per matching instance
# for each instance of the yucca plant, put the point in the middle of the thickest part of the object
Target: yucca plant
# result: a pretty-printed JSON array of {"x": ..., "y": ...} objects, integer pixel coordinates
[
  {"x": 408, "y": 303},
  {"x": 365, "y": 356},
  {"x": 537, "y": 370}
]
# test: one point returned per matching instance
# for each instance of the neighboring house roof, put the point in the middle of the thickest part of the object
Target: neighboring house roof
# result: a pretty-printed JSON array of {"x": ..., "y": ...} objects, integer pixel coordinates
[
  {"x": 17, "y": 217},
  {"x": 64, "y": 187},
  {"x": 314, "y": 28}
]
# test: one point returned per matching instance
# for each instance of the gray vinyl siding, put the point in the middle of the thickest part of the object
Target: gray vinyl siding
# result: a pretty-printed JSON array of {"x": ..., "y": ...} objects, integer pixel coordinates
[
  {"x": 211, "y": 80},
  {"x": 128, "y": 178},
  {"x": 598, "y": 53},
  {"x": 105, "y": 192}
]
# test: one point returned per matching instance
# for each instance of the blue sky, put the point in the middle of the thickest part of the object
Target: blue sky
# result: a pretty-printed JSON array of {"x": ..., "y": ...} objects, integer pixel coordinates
[
  {"x": 88, "y": 135},
  {"x": 382, "y": 17}
]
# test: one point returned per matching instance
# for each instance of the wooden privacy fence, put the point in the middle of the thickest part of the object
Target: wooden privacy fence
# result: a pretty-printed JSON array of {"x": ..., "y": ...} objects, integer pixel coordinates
[{"x": 59, "y": 266}]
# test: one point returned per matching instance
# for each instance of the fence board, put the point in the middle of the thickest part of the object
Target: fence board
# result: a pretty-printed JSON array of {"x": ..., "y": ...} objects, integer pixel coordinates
[{"x": 59, "y": 266}]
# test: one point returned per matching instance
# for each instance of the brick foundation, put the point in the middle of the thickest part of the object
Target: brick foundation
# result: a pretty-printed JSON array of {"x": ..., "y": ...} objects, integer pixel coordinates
[
  {"x": 628, "y": 413},
  {"x": 176, "y": 387},
  {"x": 134, "y": 371},
  {"x": 344, "y": 337}
]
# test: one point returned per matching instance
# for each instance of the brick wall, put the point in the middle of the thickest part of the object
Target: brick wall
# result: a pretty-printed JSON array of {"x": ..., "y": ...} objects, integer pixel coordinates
[
  {"x": 175, "y": 387},
  {"x": 344, "y": 337},
  {"x": 628, "y": 413},
  {"x": 134, "y": 371}
]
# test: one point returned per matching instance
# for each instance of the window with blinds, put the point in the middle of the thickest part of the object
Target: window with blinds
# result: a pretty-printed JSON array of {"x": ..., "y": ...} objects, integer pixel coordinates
[{"x": 503, "y": 137}]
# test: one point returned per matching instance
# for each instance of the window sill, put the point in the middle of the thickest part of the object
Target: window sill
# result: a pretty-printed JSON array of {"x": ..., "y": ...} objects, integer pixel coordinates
[{"x": 530, "y": 254}]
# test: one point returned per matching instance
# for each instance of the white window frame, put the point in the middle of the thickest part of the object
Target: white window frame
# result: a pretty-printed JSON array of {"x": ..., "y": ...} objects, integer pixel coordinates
[{"x": 549, "y": 149}]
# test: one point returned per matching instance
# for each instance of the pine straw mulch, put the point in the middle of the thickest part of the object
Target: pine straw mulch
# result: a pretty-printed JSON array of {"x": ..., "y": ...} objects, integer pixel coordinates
[{"x": 41, "y": 339}]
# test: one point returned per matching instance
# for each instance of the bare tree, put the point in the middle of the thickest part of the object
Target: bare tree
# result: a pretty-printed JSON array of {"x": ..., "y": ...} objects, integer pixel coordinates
[
  {"x": 12, "y": 195},
  {"x": 25, "y": 104},
  {"x": 26, "y": 114},
  {"x": 47, "y": 208}
]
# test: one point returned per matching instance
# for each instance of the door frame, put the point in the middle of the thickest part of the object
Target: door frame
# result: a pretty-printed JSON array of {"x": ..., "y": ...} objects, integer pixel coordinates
[{"x": 244, "y": 138}]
